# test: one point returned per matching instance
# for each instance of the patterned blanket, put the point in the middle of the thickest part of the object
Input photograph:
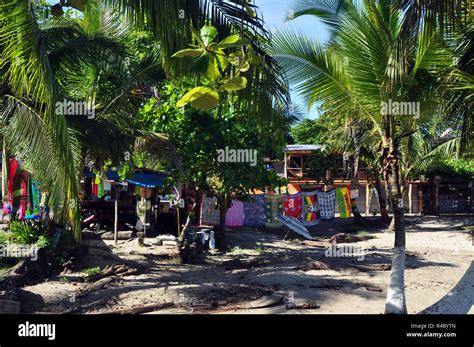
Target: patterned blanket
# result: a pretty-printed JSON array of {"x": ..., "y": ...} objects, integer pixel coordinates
[
  {"x": 273, "y": 208},
  {"x": 343, "y": 199},
  {"x": 235, "y": 214},
  {"x": 310, "y": 213},
  {"x": 327, "y": 204},
  {"x": 254, "y": 211},
  {"x": 292, "y": 205},
  {"x": 209, "y": 211}
]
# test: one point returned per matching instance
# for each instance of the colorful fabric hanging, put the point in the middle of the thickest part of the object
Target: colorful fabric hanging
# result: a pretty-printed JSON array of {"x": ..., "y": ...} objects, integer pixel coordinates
[
  {"x": 293, "y": 205},
  {"x": 209, "y": 211},
  {"x": 273, "y": 208},
  {"x": 23, "y": 195},
  {"x": 12, "y": 166},
  {"x": 235, "y": 214},
  {"x": 29, "y": 205},
  {"x": 254, "y": 211},
  {"x": 100, "y": 189},
  {"x": 310, "y": 210},
  {"x": 343, "y": 199},
  {"x": 327, "y": 204},
  {"x": 33, "y": 200}
]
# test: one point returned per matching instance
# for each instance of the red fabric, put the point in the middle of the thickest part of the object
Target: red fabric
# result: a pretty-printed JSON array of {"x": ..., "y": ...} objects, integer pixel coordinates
[
  {"x": 24, "y": 195},
  {"x": 12, "y": 167},
  {"x": 293, "y": 205}
]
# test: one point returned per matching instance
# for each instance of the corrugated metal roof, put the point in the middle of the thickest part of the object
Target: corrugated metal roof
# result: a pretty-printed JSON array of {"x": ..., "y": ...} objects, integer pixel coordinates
[{"x": 291, "y": 148}]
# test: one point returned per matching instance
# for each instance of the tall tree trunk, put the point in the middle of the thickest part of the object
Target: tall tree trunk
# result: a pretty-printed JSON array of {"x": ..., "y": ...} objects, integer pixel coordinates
[
  {"x": 360, "y": 220},
  {"x": 396, "y": 300},
  {"x": 223, "y": 202},
  {"x": 382, "y": 196}
]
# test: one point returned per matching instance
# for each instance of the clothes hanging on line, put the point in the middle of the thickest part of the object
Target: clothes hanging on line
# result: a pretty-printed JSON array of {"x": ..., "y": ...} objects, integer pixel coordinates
[
  {"x": 310, "y": 211},
  {"x": 343, "y": 199},
  {"x": 235, "y": 214},
  {"x": 292, "y": 205},
  {"x": 254, "y": 211},
  {"x": 209, "y": 211},
  {"x": 327, "y": 204},
  {"x": 273, "y": 208}
]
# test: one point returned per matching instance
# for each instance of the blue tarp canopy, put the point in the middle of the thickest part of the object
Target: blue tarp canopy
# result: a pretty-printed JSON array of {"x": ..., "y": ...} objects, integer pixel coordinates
[{"x": 146, "y": 179}]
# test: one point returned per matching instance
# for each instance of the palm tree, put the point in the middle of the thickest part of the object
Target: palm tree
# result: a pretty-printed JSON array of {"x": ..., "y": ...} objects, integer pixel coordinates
[
  {"x": 359, "y": 72},
  {"x": 50, "y": 61}
]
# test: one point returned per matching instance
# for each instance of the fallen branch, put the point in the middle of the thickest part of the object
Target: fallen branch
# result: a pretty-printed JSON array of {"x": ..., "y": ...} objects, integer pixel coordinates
[
  {"x": 143, "y": 309},
  {"x": 113, "y": 270}
]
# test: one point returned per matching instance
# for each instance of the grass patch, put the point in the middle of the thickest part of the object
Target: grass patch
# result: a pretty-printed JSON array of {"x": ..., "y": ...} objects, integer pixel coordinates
[{"x": 91, "y": 271}]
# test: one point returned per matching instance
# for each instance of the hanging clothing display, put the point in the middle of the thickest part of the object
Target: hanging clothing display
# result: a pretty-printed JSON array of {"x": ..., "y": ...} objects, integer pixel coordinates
[
  {"x": 23, "y": 195},
  {"x": 33, "y": 200},
  {"x": 12, "y": 168},
  {"x": 209, "y": 211},
  {"x": 310, "y": 210},
  {"x": 273, "y": 208},
  {"x": 292, "y": 205},
  {"x": 327, "y": 204},
  {"x": 235, "y": 214},
  {"x": 254, "y": 211},
  {"x": 343, "y": 199}
]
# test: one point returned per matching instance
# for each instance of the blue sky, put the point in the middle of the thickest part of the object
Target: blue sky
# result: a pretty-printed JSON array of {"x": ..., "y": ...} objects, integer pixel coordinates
[{"x": 275, "y": 13}]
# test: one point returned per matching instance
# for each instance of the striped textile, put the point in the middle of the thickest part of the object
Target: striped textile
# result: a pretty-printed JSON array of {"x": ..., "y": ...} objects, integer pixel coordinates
[
  {"x": 343, "y": 199},
  {"x": 295, "y": 225}
]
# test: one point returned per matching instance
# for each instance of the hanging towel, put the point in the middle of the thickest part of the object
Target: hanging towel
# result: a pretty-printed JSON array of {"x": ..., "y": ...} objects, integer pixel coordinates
[
  {"x": 293, "y": 205},
  {"x": 254, "y": 211},
  {"x": 13, "y": 166},
  {"x": 310, "y": 211},
  {"x": 273, "y": 208},
  {"x": 327, "y": 204},
  {"x": 235, "y": 214},
  {"x": 343, "y": 199},
  {"x": 33, "y": 200},
  {"x": 209, "y": 211},
  {"x": 23, "y": 195}
]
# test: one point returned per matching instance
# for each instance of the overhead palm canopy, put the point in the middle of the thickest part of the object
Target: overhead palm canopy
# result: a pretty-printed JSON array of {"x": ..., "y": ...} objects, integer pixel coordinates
[{"x": 374, "y": 60}]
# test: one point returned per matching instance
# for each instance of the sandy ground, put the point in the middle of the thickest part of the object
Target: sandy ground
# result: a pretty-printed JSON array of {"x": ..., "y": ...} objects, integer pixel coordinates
[{"x": 262, "y": 265}]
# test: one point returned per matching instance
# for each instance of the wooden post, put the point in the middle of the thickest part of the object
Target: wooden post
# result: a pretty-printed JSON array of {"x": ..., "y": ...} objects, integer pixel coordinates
[
  {"x": 368, "y": 198},
  {"x": 116, "y": 215},
  {"x": 410, "y": 200},
  {"x": 420, "y": 198},
  {"x": 179, "y": 223}
]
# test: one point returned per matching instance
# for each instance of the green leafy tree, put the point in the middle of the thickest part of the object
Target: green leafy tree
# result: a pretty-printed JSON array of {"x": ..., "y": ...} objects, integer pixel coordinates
[{"x": 199, "y": 135}]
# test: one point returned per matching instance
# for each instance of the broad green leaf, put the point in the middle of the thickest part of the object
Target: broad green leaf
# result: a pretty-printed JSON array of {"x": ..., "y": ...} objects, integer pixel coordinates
[
  {"x": 203, "y": 98},
  {"x": 208, "y": 34},
  {"x": 217, "y": 63},
  {"x": 234, "y": 84},
  {"x": 233, "y": 41},
  {"x": 188, "y": 52},
  {"x": 244, "y": 67},
  {"x": 197, "y": 36},
  {"x": 250, "y": 11},
  {"x": 230, "y": 39}
]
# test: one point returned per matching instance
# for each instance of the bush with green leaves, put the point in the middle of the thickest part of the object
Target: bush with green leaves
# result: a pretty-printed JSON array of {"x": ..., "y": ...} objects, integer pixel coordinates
[
  {"x": 28, "y": 232},
  {"x": 454, "y": 168}
]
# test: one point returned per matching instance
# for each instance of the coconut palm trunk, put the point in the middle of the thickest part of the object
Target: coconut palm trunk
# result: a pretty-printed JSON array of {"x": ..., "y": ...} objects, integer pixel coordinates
[
  {"x": 396, "y": 300},
  {"x": 382, "y": 196}
]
